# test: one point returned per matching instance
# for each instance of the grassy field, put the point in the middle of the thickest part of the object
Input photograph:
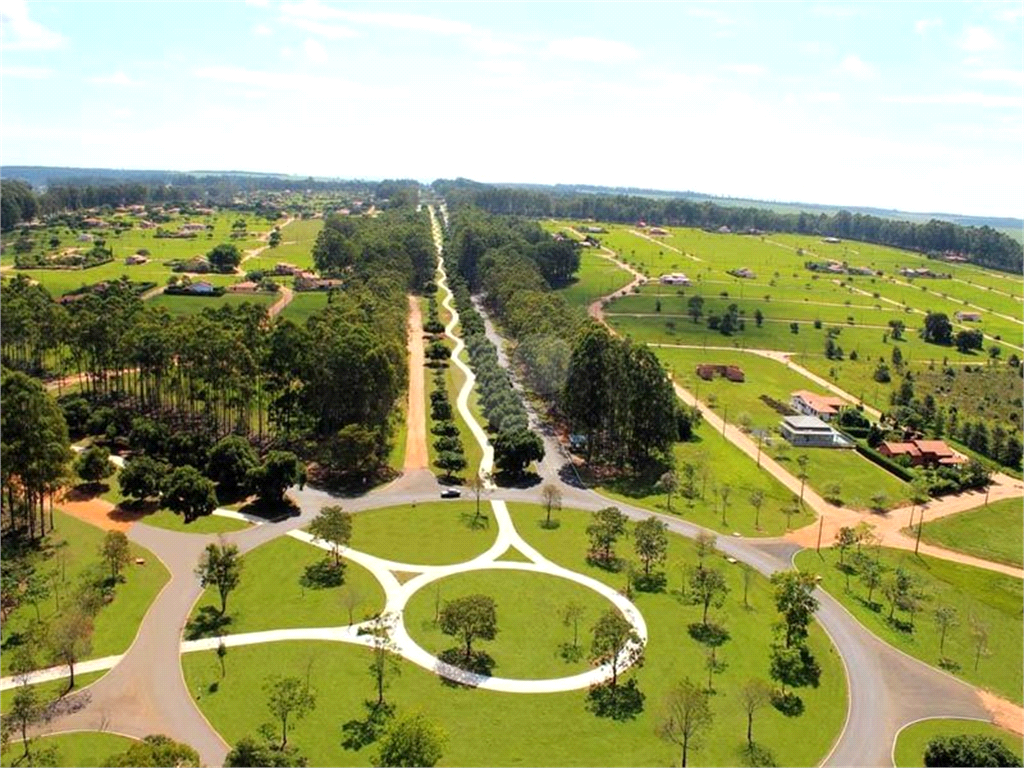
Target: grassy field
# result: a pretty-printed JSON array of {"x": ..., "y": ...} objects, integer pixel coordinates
[
  {"x": 717, "y": 462},
  {"x": 435, "y": 533},
  {"x": 116, "y": 624},
  {"x": 992, "y": 598},
  {"x": 194, "y": 305},
  {"x": 52, "y": 690},
  {"x": 913, "y": 740},
  {"x": 488, "y": 727},
  {"x": 270, "y": 594},
  {"x": 597, "y": 276},
  {"x": 167, "y": 520},
  {"x": 859, "y": 480},
  {"x": 297, "y": 240},
  {"x": 995, "y": 532},
  {"x": 303, "y": 306},
  {"x": 85, "y": 749},
  {"x": 529, "y": 609}
]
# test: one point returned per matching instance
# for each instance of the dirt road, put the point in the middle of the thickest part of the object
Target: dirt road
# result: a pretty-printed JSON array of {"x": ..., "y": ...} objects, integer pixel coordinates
[
  {"x": 416, "y": 456},
  {"x": 284, "y": 298}
]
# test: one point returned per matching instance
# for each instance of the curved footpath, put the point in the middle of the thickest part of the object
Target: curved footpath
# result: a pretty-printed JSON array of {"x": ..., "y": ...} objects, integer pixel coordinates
[{"x": 145, "y": 691}]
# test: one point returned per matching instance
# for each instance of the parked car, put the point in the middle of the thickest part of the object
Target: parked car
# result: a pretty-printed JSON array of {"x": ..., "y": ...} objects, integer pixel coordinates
[{"x": 451, "y": 493}]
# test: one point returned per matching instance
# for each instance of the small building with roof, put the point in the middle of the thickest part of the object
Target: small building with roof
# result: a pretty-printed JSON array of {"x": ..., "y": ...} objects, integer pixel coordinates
[
  {"x": 824, "y": 407},
  {"x": 812, "y": 432},
  {"x": 922, "y": 453}
]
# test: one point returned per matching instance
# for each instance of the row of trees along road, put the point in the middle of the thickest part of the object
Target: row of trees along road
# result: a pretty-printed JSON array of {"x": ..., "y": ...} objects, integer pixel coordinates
[
  {"x": 985, "y": 245},
  {"x": 327, "y": 389},
  {"x": 616, "y": 394}
]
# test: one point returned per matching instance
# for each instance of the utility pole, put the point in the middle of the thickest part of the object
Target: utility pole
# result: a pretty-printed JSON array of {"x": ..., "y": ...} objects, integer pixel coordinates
[
  {"x": 821, "y": 524},
  {"x": 725, "y": 413}
]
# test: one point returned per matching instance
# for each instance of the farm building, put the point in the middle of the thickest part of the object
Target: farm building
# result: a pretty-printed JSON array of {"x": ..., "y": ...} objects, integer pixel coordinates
[
  {"x": 674, "y": 278},
  {"x": 743, "y": 272},
  {"x": 831, "y": 240},
  {"x": 731, "y": 372},
  {"x": 811, "y": 432},
  {"x": 134, "y": 259},
  {"x": 658, "y": 231},
  {"x": 310, "y": 281},
  {"x": 201, "y": 288},
  {"x": 922, "y": 452},
  {"x": 968, "y": 317},
  {"x": 246, "y": 286},
  {"x": 823, "y": 407}
]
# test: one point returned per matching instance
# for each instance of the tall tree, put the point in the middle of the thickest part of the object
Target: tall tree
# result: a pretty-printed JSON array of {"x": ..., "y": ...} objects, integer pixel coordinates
[
  {"x": 687, "y": 715},
  {"x": 288, "y": 697},
  {"x": 651, "y": 542},
  {"x": 607, "y": 526},
  {"x": 116, "y": 552},
  {"x": 470, "y": 618},
  {"x": 188, "y": 493},
  {"x": 707, "y": 588},
  {"x": 385, "y": 661},
  {"x": 70, "y": 639},
  {"x": 334, "y": 526},
  {"x": 615, "y": 643},
  {"x": 793, "y": 599},
  {"x": 551, "y": 497},
  {"x": 754, "y": 694},
  {"x": 220, "y": 566},
  {"x": 412, "y": 740}
]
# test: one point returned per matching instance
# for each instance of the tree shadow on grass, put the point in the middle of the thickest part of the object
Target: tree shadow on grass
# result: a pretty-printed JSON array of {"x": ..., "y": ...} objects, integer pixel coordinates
[
  {"x": 478, "y": 663},
  {"x": 570, "y": 653},
  {"x": 208, "y": 622},
  {"x": 549, "y": 525},
  {"x": 756, "y": 756},
  {"x": 475, "y": 522},
  {"x": 788, "y": 703},
  {"x": 86, "y": 491},
  {"x": 272, "y": 511},
  {"x": 709, "y": 634},
  {"x": 619, "y": 702},
  {"x": 360, "y": 733},
  {"x": 323, "y": 574},
  {"x": 650, "y": 582}
]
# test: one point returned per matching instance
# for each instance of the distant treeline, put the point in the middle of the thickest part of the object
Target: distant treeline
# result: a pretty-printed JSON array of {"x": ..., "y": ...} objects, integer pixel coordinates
[
  {"x": 19, "y": 201},
  {"x": 984, "y": 245}
]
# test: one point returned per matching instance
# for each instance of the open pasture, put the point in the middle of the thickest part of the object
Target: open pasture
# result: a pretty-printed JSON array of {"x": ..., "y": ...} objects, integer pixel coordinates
[
  {"x": 194, "y": 305},
  {"x": 297, "y": 239},
  {"x": 596, "y": 277}
]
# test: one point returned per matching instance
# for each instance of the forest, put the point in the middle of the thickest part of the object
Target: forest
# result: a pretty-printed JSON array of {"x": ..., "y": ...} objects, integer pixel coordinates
[{"x": 983, "y": 245}]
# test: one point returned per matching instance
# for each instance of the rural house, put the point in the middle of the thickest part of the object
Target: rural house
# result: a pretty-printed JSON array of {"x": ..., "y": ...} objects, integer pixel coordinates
[
  {"x": 674, "y": 278},
  {"x": 922, "y": 453},
  {"x": 812, "y": 432},
  {"x": 968, "y": 317},
  {"x": 824, "y": 407}
]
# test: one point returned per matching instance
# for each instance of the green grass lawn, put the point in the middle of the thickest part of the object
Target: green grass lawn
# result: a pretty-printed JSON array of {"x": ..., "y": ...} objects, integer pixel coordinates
[
  {"x": 85, "y": 749},
  {"x": 304, "y": 305},
  {"x": 271, "y": 596},
  {"x": 859, "y": 480},
  {"x": 52, "y": 690},
  {"x": 167, "y": 520},
  {"x": 485, "y": 727},
  {"x": 995, "y": 532},
  {"x": 194, "y": 305},
  {"x": 913, "y": 740},
  {"x": 434, "y": 533},
  {"x": 529, "y": 610},
  {"x": 597, "y": 276},
  {"x": 995, "y": 599},
  {"x": 116, "y": 624},
  {"x": 717, "y": 462}
]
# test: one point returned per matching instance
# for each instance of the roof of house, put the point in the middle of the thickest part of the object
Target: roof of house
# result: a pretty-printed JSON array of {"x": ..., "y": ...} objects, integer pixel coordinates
[
  {"x": 806, "y": 424},
  {"x": 821, "y": 403},
  {"x": 910, "y": 449},
  {"x": 938, "y": 447}
]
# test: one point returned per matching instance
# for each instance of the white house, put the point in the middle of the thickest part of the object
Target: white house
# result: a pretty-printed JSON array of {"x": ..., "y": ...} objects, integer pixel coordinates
[
  {"x": 823, "y": 407},
  {"x": 675, "y": 278}
]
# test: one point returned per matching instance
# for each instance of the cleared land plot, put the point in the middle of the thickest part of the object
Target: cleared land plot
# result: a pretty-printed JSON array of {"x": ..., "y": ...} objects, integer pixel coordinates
[
  {"x": 561, "y": 730},
  {"x": 913, "y": 740},
  {"x": 304, "y": 305},
  {"x": 435, "y": 533},
  {"x": 86, "y": 749},
  {"x": 597, "y": 276},
  {"x": 716, "y": 462},
  {"x": 194, "y": 305},
  {"x": 271, "y": 593},
  {"x": 993, "y": 599},
  {"x": 297, "y": 240},
  {"x": 116, "y": 624},
  {"x": 995, "y": 532}
]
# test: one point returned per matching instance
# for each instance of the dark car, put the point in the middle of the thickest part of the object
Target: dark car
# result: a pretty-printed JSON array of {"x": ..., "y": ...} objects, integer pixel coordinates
[{"x": 451, "y": 493}]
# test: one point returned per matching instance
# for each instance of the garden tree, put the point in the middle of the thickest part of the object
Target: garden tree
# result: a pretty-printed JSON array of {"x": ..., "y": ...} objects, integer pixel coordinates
[
  {"x": 155, "y": 751},
  {"x": 116, "y": 552},
  {"x": 979, "y": 636},
  {"x": 385, "y": 660},
  {"x": 186, "y": 492},
  {"x": 550, "y": 497},
  {"x": 230, "y": 462},
  {"x": 704, "y": 543},
  {"x": 748, "y": 577},
  {"x": 707, "y": 588},
  {"x": 650, "y": 541},
  {"x": 221, "y": 566},
  {"x": 756, "y": 500},
  {"x": 70, "y": 638},
  {"x": 802, "y": 461},
  {"x": 224, "y": 257},
  {"x": 615, "y": 643},
  {"x": 438, "y": 351},
  {"x": 249, "y": 752},
  {"x": 469, "y": 618},
  {"x": 789, "y": 509},
  {"x": 351, "y": 598},
  {"x": 516, "y": 449},
  {"x": 695, "y": 307},
  {"x": 968, "y": 340},
  {"x": 945, "y": 619},
  {"x": 607, "y": 526},
  {"x": 937, "y": 329},
  {"x": 845, "y": 538},
  {"x": 451, "y": 463},
  {"x": 793, "y": 666},
  {"x": 25, "y": 711},
  {"x": 274, "y": 239},
  {"x": 689, "y": 480},
  {"x": 754, "y": 694},
  {"x": 758, "y": 317},
  {"x": 93, "y": 464},
  {"x": 871, "y": 572},
  {"x": 142, "y": 477},
  {"x": 724, "y": 491},
  {"x": 571, "y": 614},
  {"x": 969, "y": 750},
  {"x": 686, "y": 716},
  {"x": 793, "y": 599},
  {"x": 222, "y": 652},
  {"x": 898, "y": 327},
  {"x": 280, "y": 470},
  {"x": 411, "y": 741},
  {"x": 288, "y": 697},
  {"x": 668, "y": 484},
  {"x": 897, "y": 358},
  {"x": 334, "y": 526}
]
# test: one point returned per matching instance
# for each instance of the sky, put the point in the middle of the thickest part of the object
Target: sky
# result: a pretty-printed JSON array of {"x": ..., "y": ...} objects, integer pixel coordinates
[{"x": 914, "y": 106}]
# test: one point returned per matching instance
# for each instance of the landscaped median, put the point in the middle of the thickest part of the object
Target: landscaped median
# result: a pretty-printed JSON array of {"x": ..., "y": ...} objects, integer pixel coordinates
[
  {"x": 993, "y": 532},
  {"x": 85, "y": 749},
  {"x": 981, "y": 611},
  {"x": 912, "y": 741}
]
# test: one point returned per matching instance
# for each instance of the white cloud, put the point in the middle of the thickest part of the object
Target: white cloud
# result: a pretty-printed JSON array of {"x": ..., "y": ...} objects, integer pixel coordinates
[
  {"x": 26, "y": 73},
  {"x": 314, "y": 51},
  {"x": 502, "y": 67},
  {"x": 1011, "y": 13},
  {"x": 923, "y": 25},
  {"x": 489, "y": 45},
  {"x": 262, "y": 30},
  {"x": 591, "y": 49},
  {"x": 710, "y": 12},
  {"x": 19, "y": 33},
  {"x": 856, "y": 67},
  {"x": 1012, "y": 76},
  {"x": 258, "y": 3},
  {"x": 313, "y": 9},
  {"x": 976, "y": 39},
  {"x": 834, "y": 11},
  {"x": 964, "y": 99},
  {"x": 753, "y": 70},
  {"x": 118, "y": 78},
  {"x": 321, "y": 28}
]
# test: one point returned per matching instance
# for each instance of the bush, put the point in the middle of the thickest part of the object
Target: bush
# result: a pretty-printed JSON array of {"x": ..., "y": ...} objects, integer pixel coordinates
[
  {"x": 885, "y": 463},
  {"x": 966, "y": 750}
]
